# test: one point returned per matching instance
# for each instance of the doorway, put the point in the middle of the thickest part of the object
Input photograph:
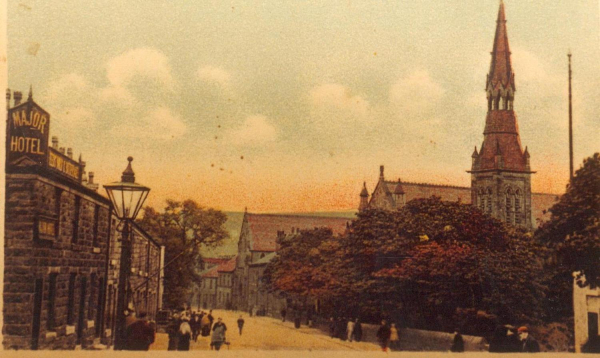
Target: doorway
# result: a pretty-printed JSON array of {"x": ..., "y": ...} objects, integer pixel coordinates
[
  {"x": 81, "y": 318},
  {"x": 37, "y": 313}
]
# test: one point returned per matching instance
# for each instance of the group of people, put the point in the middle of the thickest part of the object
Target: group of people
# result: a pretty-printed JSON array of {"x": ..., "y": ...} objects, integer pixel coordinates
[
  {"x": 388, "y": 336},
  {"x": 508, "y": 339},
  {"x": 346, "y": 329},
  {"x": 186, "y": 326}
]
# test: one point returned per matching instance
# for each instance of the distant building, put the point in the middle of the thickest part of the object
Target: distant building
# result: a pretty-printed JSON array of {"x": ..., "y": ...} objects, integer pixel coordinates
[
  {"x": 208, "y": 288},
  {"x": 586, "y": 314},
  {"x": 225, "y": 284},
  {"x": 500, "y": 172},
  {"x": 258, "y": 240}
]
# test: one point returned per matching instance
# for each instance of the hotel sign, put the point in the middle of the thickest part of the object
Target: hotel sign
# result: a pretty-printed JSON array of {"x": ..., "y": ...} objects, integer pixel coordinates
[
  {"x": 63, "y": 164},
  {"x": 27, "y": 142}
]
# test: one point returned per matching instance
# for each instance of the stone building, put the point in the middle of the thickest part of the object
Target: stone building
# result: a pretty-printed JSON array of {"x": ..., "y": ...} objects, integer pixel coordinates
[
  {"x": 145, "y": 278},
  {"x": 56, "y": 239},
  {"x": 60, "y": 242},
  {"x": 586, "y": 312},
  {"x": 500, "y": 172},
  {"x": 265, "y": 302},
  {"x": 225, "y": 273},
  {"x": 208, "y": 288},
  {"x": 258, "y": 238}
]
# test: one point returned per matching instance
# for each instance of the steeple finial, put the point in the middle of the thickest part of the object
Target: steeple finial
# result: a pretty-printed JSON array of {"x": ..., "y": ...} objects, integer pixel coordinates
[
  {"x": 364, "y": 192},
  {"x": 30, "y": 97},
  {"x": 500, "y": 80}
]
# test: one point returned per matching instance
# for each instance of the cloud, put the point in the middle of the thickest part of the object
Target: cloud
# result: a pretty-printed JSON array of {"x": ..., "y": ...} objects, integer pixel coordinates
[
  {"x": 336, "y": 96},
  {"x": 141, "y": 63},
  {"x": 158, "y": 123},
  {"x": 255, "y": 130},
  {"x": 215, "y": 75},
  {"x": 416, "y": 93}
]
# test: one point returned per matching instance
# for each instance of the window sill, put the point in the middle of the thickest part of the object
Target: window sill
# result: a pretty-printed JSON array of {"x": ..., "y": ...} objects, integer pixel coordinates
[
  {"x": 51, "y": 335},
  {"x": 90, "y": 324},
  {"x": 96, "y": 250},
  {"x": 107, "y": 333},
  {"x": 69, "y": 330}
]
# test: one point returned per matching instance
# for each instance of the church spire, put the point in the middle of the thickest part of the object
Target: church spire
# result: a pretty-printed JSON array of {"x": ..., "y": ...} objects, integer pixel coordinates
[{"x": 500, "y": 86}]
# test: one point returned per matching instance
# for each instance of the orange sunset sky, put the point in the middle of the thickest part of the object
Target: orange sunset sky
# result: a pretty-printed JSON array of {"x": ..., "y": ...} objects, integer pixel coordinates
[{"x": 290, "y": 106}]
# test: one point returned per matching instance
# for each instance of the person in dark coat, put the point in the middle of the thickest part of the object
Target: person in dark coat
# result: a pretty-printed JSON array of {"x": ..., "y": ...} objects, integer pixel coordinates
[
  {"x": 283, "y": 314},
  {"x": 383, "y": 335},
  {"x": 195, "y": 324},
  {"x": 140, "y": 334},
  {"x": 528, "y": 344},
  {"x": 297, "y": 319},
  {"x": 211, "y": 319},
  {"x": 240, "y": 323},
  {"x": 172, "y": 331},
  {"x": 358, "y": 332},
  {"x": 341, "y": 328},
  {"x": 218, "y": 335},
  {"x": 458, "y": 344},
  {"x": 332, "y": 327},
  {"x": 185, "y": 334}
]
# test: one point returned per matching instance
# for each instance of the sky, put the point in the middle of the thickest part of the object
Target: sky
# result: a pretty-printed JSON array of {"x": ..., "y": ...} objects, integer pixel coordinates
[{"x": 288, "y": 106}]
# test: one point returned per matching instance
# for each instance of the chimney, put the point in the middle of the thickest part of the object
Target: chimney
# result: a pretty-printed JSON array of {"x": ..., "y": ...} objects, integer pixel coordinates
[
  {"x": 62, "y": 150},
  {"x": 8, "y": 95},
  {"x": 18, "y": 96},
  {"x": 55, "y": 142},
  {"x": 70, "y": 153},
  {"x": 381, "y": 177},
  {"x": 91, "y": 178}
]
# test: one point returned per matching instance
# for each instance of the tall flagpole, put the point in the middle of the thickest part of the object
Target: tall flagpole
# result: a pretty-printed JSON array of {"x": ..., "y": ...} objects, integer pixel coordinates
[{"x": 570, "y": 124}]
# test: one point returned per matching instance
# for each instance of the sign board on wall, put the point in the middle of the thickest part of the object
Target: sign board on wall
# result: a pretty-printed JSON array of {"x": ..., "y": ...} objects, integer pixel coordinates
[
  {"x": 28, "y": 132},
  {"x": 63, "y": 164}
]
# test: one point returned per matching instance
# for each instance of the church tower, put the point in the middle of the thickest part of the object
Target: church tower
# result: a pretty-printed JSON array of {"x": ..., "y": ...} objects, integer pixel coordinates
[{"x": 500, "y": 172}]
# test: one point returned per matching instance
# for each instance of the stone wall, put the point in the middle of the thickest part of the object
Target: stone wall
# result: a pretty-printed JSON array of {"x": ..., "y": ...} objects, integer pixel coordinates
[{"x": 52, "y": 263}]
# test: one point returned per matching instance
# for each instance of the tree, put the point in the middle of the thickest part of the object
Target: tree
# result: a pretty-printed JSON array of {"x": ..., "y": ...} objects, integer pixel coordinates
[
  {"x": 572, "y": 239},
  {"x": 184, "y": 227}
]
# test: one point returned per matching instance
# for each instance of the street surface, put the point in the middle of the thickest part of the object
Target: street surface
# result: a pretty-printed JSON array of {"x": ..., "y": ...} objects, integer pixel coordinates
[{"x": 267, "y": 333}]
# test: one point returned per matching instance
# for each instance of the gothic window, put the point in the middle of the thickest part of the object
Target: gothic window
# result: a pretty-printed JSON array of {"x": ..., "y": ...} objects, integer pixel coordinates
[
  {"x": 489, "y": 201},
  {"x": 518, "y": 207},
  {"x": 508, "y": 212}
]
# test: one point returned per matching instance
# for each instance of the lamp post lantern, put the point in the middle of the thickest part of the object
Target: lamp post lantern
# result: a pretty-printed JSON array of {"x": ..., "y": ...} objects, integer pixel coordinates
[{"x": 127, "y": 198}]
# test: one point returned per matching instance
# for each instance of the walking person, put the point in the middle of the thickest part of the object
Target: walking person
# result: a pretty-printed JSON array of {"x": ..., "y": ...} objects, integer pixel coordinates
[
  {"x": 528, "y": 343},
  {"x": 211, "y": 319},
  {"x": 358, "y": 332},
  {"x": 383, "y": 335},
  {"x": 140, "y": 334},
  {"x": 350, "y": 329},
  {"x": 195, "y": 324},
  {"x": 394, "y": 338},
  {"x": 218, "y": 335},
  {"x": 283, "y": 314},
  {"x": 332, "y": 326},
  {"x": 205, "y": 326},
  {"x": 173, "y": 332},
  {"x": 458, "y": 344},
  {"x": 185, "y": 334},
  {"x": 240, "y": 323}
]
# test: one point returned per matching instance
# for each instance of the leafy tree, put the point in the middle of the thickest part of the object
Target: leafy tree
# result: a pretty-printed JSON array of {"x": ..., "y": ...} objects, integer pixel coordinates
[
  {"x": 183, "y": 228},
  {"x": 572, "y": 239}
]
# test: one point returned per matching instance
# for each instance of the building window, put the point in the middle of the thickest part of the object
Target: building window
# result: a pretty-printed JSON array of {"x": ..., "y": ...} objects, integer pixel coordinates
[
  {"x": 95, "y": 228},
  {"x": 76, "y": 220},
  {"x": 57, "y": 197},
  {"x": 488, "y": 207},
  {"x": 91, "y": 303},
  {"x": 51, "y": 322},
  {"x": 518, "y": 207},
  {"x": 71, "y": 302}
]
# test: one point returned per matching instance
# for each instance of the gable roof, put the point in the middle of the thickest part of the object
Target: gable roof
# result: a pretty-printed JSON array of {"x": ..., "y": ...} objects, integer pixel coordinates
[
  {"x": 210, "y": 273},
  {"x": 227, "y": 266},
  {"x": 264, "y": 260},
  {"x": 264, "y": 228}
]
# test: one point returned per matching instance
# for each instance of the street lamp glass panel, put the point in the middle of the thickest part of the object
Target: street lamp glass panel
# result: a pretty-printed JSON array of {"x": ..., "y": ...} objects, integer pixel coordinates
[{"x": 127, "y": 198}]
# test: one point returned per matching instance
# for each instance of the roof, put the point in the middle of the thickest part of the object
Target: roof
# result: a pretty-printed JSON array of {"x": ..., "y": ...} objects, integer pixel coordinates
[
  {"x": 227, "y": 266},
  {"x": 215, "y": 261},
  {"x": 264, "y": 228},
  {"x": 264, "y": 260},
  {"x": 501, "y": 75},
  {"x": 210, "y": 273},
  {"x": 502, "y": 131}
]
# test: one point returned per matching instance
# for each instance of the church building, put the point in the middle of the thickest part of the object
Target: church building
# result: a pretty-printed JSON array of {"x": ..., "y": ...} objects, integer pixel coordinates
[{"x": 500, "y": 172}]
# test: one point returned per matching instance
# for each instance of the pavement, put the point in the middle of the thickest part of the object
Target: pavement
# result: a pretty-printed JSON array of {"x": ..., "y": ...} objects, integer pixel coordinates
[{"x": 267, "y": 333}]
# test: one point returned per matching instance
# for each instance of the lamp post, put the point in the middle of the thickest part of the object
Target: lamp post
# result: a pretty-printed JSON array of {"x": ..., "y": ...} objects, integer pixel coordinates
[{"x": 127, "y": 198}]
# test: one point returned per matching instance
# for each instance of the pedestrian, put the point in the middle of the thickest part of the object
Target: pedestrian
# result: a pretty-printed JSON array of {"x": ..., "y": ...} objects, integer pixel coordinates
[
  {"x": 458, "y": 344},
  {"x": 283, "y": 314},
  {"x": 297, "y": 319},
  {"x": 218, "y": 335},
  {"x": 394, "y": 338},
  {"x": 528, "y": 343},
  {"x": 332, "y": 326},
  {"x": 173, "y": 332},
  {"x": 350, "y": 329},
  {"x": 383, "y": 335},
  {"x": 240, "y": 323},
  {"x": 195, "y": 324},
  {"x": 129, "y": 317},
  {"x": 205, "y": 326},
  {"x": 211, "y": 319},
  {"x": 140, "y": 334},
  {"x": 358, "y": 332},
  {"x": 185, "y": 334},
  {"x": 341, "y": 328}
]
